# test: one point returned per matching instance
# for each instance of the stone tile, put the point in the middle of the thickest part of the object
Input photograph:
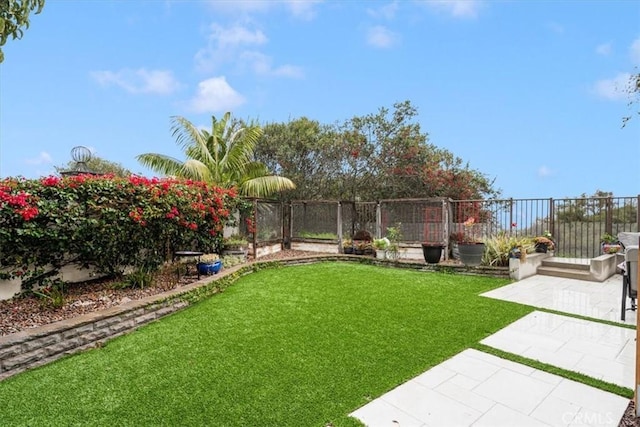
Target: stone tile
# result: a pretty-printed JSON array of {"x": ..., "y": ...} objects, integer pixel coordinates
[
  {"x": 380, "y": 413},
  {"x": 556, "y": 412},
  {"x": 516, "y": 391},
  {"x": 434, "y": 376},
  {"x": 429, "y": 406},
  {"x": 502, "y": 416},
  {"x": 465, "y": 396},
  {"x": 598, "y": 401}
]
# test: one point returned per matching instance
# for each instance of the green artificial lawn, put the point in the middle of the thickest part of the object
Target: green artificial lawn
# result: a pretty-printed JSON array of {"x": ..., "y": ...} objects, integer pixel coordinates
[{"x": 295, "y": 346}]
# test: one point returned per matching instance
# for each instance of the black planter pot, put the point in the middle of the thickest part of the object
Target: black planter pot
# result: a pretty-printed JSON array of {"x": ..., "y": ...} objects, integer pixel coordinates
[
  {"x": 541, "y": 248},
  {"x": 348, "y": 249},
  {"x": 432, "y": 253}
]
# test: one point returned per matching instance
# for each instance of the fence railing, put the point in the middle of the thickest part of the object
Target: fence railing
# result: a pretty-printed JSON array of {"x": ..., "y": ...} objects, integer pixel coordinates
[{"x": 576, "y": 224}]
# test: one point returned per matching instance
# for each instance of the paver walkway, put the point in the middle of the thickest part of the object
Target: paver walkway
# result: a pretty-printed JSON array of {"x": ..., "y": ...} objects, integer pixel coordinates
[{"x": 478, "y": 389}]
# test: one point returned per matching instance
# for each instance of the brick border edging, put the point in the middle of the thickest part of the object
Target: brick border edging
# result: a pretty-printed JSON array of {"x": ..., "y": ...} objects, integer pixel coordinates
[{"x": 34, "y": 347}]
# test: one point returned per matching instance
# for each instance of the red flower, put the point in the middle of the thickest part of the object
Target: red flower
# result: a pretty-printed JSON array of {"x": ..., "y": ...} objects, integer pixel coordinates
[
  {"x": 50, "y": 181},
  {"x": 28, "y": 213}
]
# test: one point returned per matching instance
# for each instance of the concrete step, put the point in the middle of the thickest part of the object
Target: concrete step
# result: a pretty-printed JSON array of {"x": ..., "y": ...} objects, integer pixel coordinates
[
  {"x": 567, "y": 273},
  {"x": 567, "y": 263}
]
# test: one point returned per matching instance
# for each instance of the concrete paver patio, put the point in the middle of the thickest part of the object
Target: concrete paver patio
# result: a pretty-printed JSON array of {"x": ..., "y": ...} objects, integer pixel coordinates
[{"x": 478, "y": 389}]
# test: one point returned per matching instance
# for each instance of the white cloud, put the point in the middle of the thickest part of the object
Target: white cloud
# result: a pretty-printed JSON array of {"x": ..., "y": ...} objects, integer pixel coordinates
[
  {"x": 236, "y": 45},
  {"x": 287, "y": 70},
  {"x": 388, "y": 11},
  {"x": 145, "y": 81},
  {"x": 381, "y": 37},
  {"x": 215, "y": 95},
  {"x": 544, "y": 171},
  {"x": 235, "y": 35},
  {"x": 634, "y": 51},
  {"x": 302, "y": 9},
  {"x": 603, "y": 49},
  {"x": 42, "y": 159},
  {"x": 261, "y": 64},
  {"x": 457, "y": 8},
  {"x": 305, "y": 10},
  {"x": 612, "y": 89}
]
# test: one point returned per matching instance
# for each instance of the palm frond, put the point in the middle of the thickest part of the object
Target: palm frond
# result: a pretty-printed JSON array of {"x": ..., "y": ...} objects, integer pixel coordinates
[
  {"x": 163, "y": 164},
  {"x": 265, "y": 186}
]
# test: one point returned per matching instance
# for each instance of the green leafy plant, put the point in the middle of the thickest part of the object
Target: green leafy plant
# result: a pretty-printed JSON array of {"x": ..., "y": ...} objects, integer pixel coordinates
[
  {"x": 106, "y": 222},
  {"x": 499, "y": 247},
  {"x": 140, "y": 278},
  {"x": 608, "y": 238},
  {"x": 53, "y": 295},
  {"x": 235, "y": 241},
  {"x": 394, "y": 234},
  {"x": 232, "y": 260},
  {"x": 381, "y": 244}
]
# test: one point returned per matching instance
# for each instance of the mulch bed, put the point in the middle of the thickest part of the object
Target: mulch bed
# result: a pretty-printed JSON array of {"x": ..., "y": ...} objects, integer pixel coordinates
[{"x": 27, "y": 312}]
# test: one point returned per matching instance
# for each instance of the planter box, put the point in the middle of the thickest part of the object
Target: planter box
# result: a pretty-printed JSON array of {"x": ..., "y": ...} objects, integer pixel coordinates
[
  {"x": 519, "y": 270},
  {"x": 324, "y": 247}
]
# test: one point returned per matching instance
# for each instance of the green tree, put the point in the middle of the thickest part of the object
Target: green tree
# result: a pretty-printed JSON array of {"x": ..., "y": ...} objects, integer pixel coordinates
[
  {"x": 306, "y": 152},
  {"x": 395, "y": 160},
  {"x": 383, "y": 155},
  {"x": 100, "y": 166},
  {"x": 14, "y": 16},
  {"x": 222, "y": 156}
]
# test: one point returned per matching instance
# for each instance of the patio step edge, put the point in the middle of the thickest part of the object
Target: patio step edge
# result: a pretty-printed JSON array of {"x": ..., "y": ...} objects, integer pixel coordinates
[
  {"x": 567, "y": 273},
  {"x": 567, "y": 265}
]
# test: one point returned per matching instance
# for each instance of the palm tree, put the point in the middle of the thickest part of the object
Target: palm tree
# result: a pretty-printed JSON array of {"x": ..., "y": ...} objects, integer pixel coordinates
[{"x": 221, "y": 157}]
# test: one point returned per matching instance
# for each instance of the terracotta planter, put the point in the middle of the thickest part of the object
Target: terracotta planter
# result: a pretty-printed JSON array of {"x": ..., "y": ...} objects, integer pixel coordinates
[{"x": 471, "y": 253}]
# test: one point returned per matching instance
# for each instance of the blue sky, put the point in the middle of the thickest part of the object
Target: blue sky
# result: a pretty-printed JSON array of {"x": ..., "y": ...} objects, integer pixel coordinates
[{"x": 531, "y": 93}]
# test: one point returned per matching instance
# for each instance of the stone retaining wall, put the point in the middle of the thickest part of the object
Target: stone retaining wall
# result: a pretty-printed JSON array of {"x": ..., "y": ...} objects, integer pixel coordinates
[{"x": 35, "y": 347}]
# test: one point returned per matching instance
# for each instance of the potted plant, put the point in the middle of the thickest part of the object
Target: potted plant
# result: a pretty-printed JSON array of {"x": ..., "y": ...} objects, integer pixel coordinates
[
  {"x": 209, "y": 264},
  {"x": 235, "y": 242},
  {"x": 544, "y": 243},
  {"x": 609, "y": 244},
  {"x": 359, "y": 248},
  {"x": 394, "y": 234},
  {"x": 455, "y": 239},
  {"x": 347, "y": 246},
  {"x": 381, "y": 246},
  {"x": 470, "y": 246}
]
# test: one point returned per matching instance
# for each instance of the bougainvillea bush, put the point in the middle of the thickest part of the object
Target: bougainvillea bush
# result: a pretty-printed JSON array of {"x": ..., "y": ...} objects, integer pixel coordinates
[{"x": 105, "y": 222}]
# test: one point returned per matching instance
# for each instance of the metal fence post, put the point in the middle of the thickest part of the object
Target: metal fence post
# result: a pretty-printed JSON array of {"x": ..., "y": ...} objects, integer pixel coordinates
[
  {"x": 378, "y": 221},
  {"x": 339, "y": 229},
  {"x": 552, "y": 218},
  {"x": 608, "y": 215}
]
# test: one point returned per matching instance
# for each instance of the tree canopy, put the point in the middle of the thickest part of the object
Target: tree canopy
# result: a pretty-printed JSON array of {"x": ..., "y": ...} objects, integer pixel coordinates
[
  {"x": 383, "y": 155},
  {"x": 14, "y": 16},
  {"x": 100, "y": 166},
  {"x": 222, "y": 156}
]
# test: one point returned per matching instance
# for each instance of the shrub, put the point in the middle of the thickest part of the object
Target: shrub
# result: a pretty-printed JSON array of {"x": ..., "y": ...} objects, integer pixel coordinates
[
  {"x": 498, "y": 247},
  {"x": 106, "y": 222}
]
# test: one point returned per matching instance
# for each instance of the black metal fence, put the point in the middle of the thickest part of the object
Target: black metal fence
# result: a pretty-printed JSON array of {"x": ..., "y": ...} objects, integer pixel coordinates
[{"x": 576, "y": 225}]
